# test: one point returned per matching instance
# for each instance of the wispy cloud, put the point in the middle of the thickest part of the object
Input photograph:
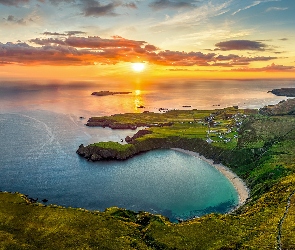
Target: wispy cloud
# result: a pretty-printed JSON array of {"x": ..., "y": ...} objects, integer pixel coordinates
[
  {"x": 253, "y": 4},
  {"x": 212, "y": 34},
  {"x": 276, "y": 9},
  {"x": 66, "y": 33},
  {"x": 270, "y": 68},
  {"x": 196, "y": 15}
]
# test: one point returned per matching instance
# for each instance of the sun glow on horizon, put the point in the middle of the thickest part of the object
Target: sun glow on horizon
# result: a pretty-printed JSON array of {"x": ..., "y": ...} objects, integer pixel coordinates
[{"x": 138, "y": 67}]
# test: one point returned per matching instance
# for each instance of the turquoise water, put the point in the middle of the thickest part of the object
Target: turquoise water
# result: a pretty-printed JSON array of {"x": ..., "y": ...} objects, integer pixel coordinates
[
  {"x": 40, "y": 131},
  {"x": 39, "y": 159}
]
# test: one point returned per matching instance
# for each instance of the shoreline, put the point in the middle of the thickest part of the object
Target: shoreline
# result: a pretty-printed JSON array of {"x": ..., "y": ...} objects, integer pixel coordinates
[{"x": 238, "y": 183}]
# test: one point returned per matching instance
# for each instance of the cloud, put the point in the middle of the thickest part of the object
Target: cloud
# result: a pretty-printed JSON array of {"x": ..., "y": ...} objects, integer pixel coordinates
[
  {"x": 178, "y": 69},
  {"x": 93, "y": 50},
  {"x": 240, "y": 45},
  {"x": 276, "y": 9},
  {"x": 150, "y": 47},
  {"x": 73, "y": 50},
  {"x": 196, "y": 15},
  {"x": 66, "y": 33},
  {"x": 48, "y": 41},
  {"x": 270, "y": 68},
  {"x": 56, "y": 2},
  {"x": 2, "y": 63},
  {"x": 94, "y": 42},
  {"x": 131, "y": 5},
  {"x": 177, "y": 58},
  {"x": 164, "y": 4},
  {"x": 75, "y": 32},
  {"x": 247, "y": 7},
  {"x": 12, "y": 19},
  {"x": 13, "y": 2},
  {"x": 96, "y": 9},
  {"x": 253, "y": 4},
  {"x": 53, "y": 34},
  {"x": 235, "y": 60}
]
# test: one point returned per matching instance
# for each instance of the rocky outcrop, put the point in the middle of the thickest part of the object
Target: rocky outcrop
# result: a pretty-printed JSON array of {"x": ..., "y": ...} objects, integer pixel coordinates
[
  {"x": 140, "y": 133},
  {"x": 282, "y": 108},
  {"x": 289, "y": 92},
  {"x": 96, "y": 153}
]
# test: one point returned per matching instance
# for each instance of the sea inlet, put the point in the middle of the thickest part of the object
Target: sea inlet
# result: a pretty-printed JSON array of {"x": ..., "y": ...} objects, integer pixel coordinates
[{"x": 39, "y": 159}]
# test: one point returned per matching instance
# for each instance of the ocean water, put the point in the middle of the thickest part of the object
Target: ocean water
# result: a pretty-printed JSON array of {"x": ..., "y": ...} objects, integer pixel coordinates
[{"x": 40, "y": 130}]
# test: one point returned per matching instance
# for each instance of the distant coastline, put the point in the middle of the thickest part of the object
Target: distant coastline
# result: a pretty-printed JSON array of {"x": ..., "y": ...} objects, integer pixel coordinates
[
  {"x": 288, "y": 92},
  {"x": 105, "y": 93}
]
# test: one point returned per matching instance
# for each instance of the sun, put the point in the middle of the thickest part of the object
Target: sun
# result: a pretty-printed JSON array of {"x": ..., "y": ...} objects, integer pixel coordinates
[{"x": 138, "y": 67}]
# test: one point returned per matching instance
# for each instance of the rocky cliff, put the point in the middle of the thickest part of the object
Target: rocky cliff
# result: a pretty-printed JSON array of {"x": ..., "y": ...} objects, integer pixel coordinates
[
  {"x": 231, "y": 158},
  {"x": 289, "y": 92},
  {"x": 282, "y": 108}
]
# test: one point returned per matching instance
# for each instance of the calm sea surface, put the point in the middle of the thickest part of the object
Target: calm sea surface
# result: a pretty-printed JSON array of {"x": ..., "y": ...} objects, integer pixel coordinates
[{"x": 40, "y": 130}]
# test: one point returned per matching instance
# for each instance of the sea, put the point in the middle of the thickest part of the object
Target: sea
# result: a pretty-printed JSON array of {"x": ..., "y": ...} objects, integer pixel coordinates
[{"x": 42, "y": 125}]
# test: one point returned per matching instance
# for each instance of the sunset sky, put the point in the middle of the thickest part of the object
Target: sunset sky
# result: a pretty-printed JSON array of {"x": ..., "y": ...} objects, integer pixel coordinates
[{"x": 89, "y": 39}]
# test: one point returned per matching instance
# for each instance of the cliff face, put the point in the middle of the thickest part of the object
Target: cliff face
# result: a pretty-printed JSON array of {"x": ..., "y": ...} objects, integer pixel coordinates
[
  {"x": 219, "y": 155},
  {"x": 96, "y": 153},
  {"x": 289, "y": 92}
]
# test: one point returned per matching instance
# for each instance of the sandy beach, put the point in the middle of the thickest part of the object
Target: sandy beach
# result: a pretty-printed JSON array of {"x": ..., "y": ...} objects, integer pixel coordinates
[{"x": 237, "y": 182}]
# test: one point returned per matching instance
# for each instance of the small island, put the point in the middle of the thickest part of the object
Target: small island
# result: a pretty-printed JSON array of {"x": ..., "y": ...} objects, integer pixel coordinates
[
  {"x": 288, "y": 92},
  {"x": 105, "y": 93}
]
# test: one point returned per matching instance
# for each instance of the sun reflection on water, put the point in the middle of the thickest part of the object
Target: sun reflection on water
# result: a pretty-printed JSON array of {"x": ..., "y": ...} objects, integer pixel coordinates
[{"x": 138, "y": 100}]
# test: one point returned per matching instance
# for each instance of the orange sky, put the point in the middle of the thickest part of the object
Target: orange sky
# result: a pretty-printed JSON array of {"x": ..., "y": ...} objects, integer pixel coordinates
[{"x": 188, "y": 39}]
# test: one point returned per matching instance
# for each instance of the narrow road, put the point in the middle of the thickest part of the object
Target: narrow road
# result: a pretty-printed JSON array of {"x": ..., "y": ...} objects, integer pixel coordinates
[{"x": 280, "y": 225}]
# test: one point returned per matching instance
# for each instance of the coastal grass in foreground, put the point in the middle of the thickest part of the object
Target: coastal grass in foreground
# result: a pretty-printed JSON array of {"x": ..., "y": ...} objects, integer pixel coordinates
[{"x": 260, "y": 150}]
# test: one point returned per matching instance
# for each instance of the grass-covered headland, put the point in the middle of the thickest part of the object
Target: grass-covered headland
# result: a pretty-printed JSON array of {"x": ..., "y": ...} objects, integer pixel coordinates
[{"x": 258, "y": 146}]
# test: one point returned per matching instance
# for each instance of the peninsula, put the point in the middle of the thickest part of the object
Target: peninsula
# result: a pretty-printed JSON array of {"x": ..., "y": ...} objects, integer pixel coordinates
[
  {"x": 288, "y": 92},
  {"x": 204, "y": 131},
  {"x": 105, "y": 93}
]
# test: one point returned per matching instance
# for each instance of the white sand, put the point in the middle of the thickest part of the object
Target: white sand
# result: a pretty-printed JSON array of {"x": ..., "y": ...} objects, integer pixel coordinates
[{"x": 237, "y": 182}]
